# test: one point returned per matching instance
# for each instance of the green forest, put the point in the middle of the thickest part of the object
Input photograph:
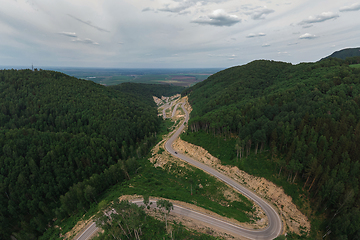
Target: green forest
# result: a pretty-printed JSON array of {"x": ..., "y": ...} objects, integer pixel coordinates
[
  {"x": 63, "y": 142},
  {"x": 147, "y": 91},
  {"x": 307, "y": 116},
  {"x": 346, "y": 53}
]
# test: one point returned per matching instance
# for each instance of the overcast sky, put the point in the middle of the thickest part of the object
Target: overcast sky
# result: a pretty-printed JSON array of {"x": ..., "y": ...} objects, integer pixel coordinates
[{"x": 173, "y": 33}]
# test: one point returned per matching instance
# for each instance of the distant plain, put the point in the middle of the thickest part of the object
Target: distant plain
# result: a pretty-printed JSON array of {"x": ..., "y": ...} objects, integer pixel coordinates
[{"x": 106, "y": 76}]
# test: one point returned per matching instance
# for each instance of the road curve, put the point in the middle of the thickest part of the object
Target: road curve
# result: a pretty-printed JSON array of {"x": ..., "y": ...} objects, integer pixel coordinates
[
  {"x": 174, "y": 110},
  {"x": 275, "y": 225},
  {"x": 272, "y": 231},
  {"x": 166, "y": 106}
]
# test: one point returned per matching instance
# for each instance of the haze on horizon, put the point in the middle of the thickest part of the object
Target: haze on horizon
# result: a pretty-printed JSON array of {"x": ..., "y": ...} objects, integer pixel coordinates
[{"x": 173, "y": 33}]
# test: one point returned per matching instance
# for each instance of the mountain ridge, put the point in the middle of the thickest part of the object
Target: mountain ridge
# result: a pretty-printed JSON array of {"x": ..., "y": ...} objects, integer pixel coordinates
[{"x": 345, "y": 53}]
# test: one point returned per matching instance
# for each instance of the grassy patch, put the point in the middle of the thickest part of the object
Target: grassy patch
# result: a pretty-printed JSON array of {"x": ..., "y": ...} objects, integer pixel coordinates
[
  {"x": 161, "y": 150},
  {"x": 165, "y": 128},
  {"x": 217, "y": 146},
  {"x": 355, "y": 65},
  {"x": 181, "y": 110},
  {"x": 177, "y": 183},
  {"x": 188, "y": 184}
]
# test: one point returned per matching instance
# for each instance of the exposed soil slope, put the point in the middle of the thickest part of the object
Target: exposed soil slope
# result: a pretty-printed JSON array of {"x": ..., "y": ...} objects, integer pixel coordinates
[{"x": 295, "y": 221}]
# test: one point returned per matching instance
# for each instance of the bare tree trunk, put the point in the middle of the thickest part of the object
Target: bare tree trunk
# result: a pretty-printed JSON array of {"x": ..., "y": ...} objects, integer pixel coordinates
[
  {"x": 294, "y": 177},
  {"x": 312, "y": 184},
  {"x": 136, "y": 234},
  {"x": 248, "y": 146},
  {"x": 166, "y": 221},
  {"x": 129, "y": 230},
  {"x": 307, "y": 180}
]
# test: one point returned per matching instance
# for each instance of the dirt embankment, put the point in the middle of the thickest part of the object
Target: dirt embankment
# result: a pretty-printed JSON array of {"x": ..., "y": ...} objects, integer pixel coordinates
[{"x": 294, "y": 220}]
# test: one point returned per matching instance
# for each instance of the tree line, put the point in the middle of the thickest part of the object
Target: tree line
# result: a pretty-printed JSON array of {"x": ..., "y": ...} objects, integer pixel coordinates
[{"x": 147, "y": 91}]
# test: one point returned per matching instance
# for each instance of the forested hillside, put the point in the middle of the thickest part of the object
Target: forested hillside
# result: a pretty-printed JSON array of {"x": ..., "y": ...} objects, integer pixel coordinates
[
  {"x": 146, "y": 91},
  {"x": 346, "y": 53},
  {"x": 306, "y": 115},
  {"x": 63, "y": 142}
]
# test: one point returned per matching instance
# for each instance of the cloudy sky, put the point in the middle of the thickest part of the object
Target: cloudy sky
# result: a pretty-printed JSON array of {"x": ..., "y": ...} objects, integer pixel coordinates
[{"x": 173, "y": 33}]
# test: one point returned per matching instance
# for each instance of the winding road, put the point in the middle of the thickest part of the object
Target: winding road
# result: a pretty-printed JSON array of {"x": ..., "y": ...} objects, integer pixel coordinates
[
  {"x": 275, "y": 225},
  {"x": 273, "y": 230}
]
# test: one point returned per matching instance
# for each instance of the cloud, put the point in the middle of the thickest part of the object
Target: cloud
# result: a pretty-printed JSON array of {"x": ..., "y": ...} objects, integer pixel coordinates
[
  {"x": 307, "y": 26},
  {"x": 68, "y": 34},
  {"x": 266, "y": 45},
  {"x": 218, "y": 18},
  {"x": 147, "y": 9},
  {"x": 184, "y": 12},
  {"x": 177, "y": 8},
  {"x": 89, "y": 24},
  {"x": 73, "y": 35},
  {"x": 86, "y": 41},
  {"x": 307, "y": 36},
  {"x": 319, "y": 18},
  {"x": 230, "y": 57},
  {"x": 249, "y": 7},
  {"x": 252, "y": 35},
  {"x": 261, "y": 13},
  {"x": 353, "y": 7}
]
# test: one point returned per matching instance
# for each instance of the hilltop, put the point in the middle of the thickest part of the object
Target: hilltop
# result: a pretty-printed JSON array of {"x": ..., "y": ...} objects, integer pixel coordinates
[
  {"x": 346, "y": 53},
  {"x": 303, "y": 118}
]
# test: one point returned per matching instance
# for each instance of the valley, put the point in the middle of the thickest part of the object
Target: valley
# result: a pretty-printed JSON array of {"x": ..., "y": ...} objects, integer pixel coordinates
[{"x": 288, "y": 132}]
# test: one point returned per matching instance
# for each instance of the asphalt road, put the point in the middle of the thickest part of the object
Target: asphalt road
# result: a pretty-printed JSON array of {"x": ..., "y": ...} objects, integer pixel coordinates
[
  {"x": 165, "y": 107},
  {"x": 206, "y": 219},
  {"x": 272, "y": 231},
  {"x": 88, "y": 232},
  {"x": 275, "y": 225},
  {"x": 175, "y": 108}
]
